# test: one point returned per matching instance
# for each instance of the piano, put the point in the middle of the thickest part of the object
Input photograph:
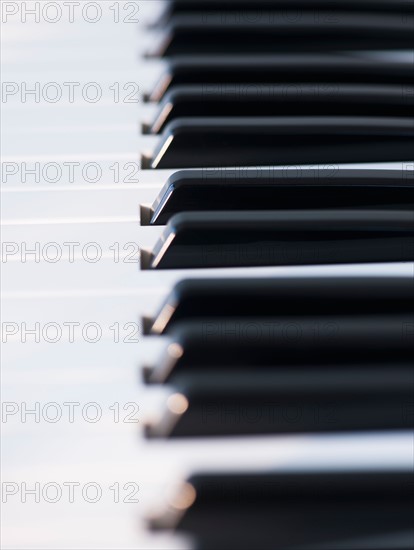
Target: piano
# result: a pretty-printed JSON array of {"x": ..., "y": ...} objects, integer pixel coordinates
[{"x": 207, "y": 275}]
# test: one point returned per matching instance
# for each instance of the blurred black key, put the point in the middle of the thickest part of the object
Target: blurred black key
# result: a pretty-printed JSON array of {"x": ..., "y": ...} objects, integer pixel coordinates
[
  {"x": 290, "y": 399},
  {"x": 287, "y": 31},
  {"x": 246, "y": 6},
  {"x": 241, "y": 239},
  {"x": 198, "y": 143},
  {"x": 240, "y": 343},
  {"x": 261, "y": 100},
  {"x": 207, "y": 299},
  {"x": 341, "y": 510},
  {"x": 272, "y": 189},
  {"x": 219, "y": 73}
]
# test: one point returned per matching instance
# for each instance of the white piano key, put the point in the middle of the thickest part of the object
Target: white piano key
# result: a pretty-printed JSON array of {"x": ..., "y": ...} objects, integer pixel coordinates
[{"x": 114, "y": 202}]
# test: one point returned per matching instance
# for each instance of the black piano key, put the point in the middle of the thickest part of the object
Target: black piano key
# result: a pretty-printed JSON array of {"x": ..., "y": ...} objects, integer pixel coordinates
[
  {"x": 341, "y": 510},
  {"x": 271, "y": 189},
  {"x": 219, "y": 73},
  {"x": 246, "y": 6},
  {"x": 286, "y": 31},
  {"x": 237, "y": 343},
  {"x": 292, "y": 399},
  {"x": 263, "y": 100},
  {"x": 206, "y": 299},
  {"x": 272, "y": 238},
  {"x": 198, "y": 142}
]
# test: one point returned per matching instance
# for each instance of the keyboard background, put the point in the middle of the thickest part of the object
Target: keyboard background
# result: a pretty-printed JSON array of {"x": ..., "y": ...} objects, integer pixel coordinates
[{"x": 108, "y": 292}]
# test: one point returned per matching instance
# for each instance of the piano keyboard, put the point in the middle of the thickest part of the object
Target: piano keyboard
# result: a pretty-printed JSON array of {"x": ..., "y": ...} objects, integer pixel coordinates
[{"x": 207, "y": 260}]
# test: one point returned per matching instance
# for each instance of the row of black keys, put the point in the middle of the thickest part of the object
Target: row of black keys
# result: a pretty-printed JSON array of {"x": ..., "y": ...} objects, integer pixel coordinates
[
  {"x": 298, "y": 355},
  {"x": 282, "y": 109},
  {"x": 231, "y": 91},
  {"x": 256, "y": 356},
  {"x": 270, "y": 217},
  {"x": 303, "y": 355}
]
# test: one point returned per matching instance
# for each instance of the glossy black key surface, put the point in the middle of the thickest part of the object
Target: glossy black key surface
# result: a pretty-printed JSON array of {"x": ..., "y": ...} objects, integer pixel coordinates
[
  {"x": 273, "y": 189},
  {"x": 340, "y": 510},
  {"x": 261, "y": 100},
  {"x": 275, "y": 32},
  {"x": 270, "y": 141},
  {"x": 207, "y": 299},
  {"x": 289, "y": 399},
  {"x": 219, "y": 73},
  {"x": 291, "y": 237},
  {"x": 237, "y": 343}
]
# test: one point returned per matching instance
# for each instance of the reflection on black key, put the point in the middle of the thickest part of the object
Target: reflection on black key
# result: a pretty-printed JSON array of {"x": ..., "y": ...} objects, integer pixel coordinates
[
  {"x": 286, "y": 31},
  {"x": 287, "y": 399},
  {"x": 219, "y": 73},
  {"x": 291, "y": 237},
  {"x": 238, "y": 343},
  {"x": 337, "y": 510},
  {"x": 198, "y": 142},
  {"x": 273, "y": 189},
  {"x": 207, "y": 299},
  {"x": 261, "y": 100}
]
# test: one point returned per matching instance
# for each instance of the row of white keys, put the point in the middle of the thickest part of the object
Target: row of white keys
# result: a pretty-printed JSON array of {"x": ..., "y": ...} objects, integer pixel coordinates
[{"x": 94, "y": 445}]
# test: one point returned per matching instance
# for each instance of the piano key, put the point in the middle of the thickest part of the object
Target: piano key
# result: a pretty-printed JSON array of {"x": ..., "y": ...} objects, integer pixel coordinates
[
  {"x": 237, "y": 343},
  {"x": 219, "y": 72},
  {"x": 271, "y": 100},
  {"x": 207, "y": 299},
  {"x": 281, "y": 141},
  {"x": 198, "y": 190},
  {"x": 179, "y": 6},
  {"x": 274, "y": 32},
  {"x": 292, "y": 399},
  {"x": 112, "y": 204},
  {"x": 254, "y": 238},
  {"x": 336, "y": 510}
]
